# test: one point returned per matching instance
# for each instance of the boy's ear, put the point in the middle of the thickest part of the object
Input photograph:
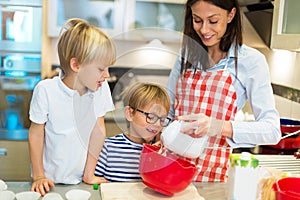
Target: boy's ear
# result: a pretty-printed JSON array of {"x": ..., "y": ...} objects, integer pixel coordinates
[
  {"x": 74, "y": 65},
  {"x": 128, "y": 113}
]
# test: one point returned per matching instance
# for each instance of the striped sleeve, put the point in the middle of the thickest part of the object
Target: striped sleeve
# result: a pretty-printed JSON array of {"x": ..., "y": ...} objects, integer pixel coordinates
[{"x": 119, "y": 160}]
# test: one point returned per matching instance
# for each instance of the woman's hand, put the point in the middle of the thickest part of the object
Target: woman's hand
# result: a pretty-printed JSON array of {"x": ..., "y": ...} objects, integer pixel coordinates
[
  {"x": 41, "y": 185},
  {"x": 198, "y": 125}
]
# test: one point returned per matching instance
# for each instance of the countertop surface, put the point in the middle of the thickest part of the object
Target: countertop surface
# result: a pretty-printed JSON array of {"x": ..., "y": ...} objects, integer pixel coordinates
[
  {"x": 208, "y": 191},
  {"x": 215, "y": 191}
]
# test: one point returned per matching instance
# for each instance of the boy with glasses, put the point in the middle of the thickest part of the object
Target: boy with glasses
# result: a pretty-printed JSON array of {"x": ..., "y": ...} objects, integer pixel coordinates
[{"x": 146, "y": 106}]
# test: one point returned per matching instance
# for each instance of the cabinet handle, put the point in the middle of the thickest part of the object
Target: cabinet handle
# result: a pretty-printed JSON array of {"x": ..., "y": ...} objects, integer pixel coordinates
[{"x": 3, "y": 152}]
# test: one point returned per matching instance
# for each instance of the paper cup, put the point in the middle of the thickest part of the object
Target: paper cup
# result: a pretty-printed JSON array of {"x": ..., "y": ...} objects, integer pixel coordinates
[
  {"x": 77, "y": 194},
  {"x": 28, "y": 195},
  {"x": 3, "y": 185},
  {"x": 7, "y": 195},
  {"x": 52, "y": 196}
]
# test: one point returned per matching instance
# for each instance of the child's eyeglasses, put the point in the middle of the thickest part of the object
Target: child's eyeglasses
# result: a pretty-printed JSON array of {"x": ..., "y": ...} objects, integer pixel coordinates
[{"x": 152, "y": 118}]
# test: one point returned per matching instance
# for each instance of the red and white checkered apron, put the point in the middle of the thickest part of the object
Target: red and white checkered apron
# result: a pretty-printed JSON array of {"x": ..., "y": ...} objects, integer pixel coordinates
[{"x": 213, "y": 94}]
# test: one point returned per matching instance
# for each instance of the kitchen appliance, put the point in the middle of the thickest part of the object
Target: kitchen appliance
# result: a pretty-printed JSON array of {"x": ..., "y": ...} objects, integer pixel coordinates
[
  {"x": 22, "y": 62},
  {"x": 167, "y": 174},
  {"x": 21, "y": 29},
  {"x": 182, "y": 144},
  {"x": 287, "y": 188}
]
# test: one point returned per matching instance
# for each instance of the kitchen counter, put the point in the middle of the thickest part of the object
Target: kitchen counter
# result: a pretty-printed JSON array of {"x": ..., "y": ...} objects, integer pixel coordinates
[
  {"x": 61, "y": 189},
  {"x": 216, "y": 191}
]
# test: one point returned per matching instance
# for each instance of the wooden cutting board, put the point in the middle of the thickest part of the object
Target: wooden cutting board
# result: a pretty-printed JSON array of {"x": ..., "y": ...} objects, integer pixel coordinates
[{"x": 139, "y": 191}]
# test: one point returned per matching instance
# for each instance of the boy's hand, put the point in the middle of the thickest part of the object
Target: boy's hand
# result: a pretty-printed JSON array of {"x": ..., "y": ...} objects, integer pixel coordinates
[
  {"x": 41, "y": 185},
  {"x": 94, "y": 180}
]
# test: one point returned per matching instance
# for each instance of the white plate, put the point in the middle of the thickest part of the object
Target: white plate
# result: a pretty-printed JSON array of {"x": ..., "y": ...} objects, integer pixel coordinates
[
  {"x": 77, "y": 194},
  {"x": 28, "y": 195},
  {"x": 7, "y": 195},
  {"x": 52, "y": 196},
  {"x": 3, "y": 185}
]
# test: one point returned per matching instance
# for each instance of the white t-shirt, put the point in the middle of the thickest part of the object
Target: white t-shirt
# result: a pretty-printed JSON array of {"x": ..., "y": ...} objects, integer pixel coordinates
[{"x": 69, "y": 119}]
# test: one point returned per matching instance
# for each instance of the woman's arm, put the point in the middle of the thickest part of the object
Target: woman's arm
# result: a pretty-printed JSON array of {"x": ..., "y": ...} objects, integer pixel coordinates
[{"x": 257, "y": 83}]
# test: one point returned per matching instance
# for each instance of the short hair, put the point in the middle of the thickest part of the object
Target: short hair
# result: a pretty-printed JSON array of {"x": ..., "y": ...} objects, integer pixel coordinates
[
  {"x": 78, "y": 39},
  {"x": 140, "y": 94}
]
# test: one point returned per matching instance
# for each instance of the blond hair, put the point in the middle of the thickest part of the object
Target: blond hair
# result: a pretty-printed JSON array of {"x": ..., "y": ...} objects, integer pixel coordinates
[
  {"x": 141, "y": 94},
  {"x": 78, "y": 39}
]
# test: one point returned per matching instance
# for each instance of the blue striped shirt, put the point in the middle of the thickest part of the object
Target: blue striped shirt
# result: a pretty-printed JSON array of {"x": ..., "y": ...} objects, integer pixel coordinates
[{"x": 119, "y": 159}]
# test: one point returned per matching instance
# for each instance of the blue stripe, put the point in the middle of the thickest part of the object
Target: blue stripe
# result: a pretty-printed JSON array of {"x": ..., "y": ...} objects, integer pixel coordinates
[{"x": 119, "y": 160}]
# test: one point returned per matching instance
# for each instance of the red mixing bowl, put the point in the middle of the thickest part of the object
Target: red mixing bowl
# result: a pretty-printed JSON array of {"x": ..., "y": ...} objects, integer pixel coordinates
[
  {"x": 167, "y": 174},
  {"x": 287, "y": 188},
  {"x": 288, "y": 126}
]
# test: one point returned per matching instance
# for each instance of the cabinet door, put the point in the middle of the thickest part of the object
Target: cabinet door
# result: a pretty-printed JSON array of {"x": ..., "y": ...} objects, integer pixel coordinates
[
  {"x": 155, "y": 19},
  {"x": 286, "y": 26},
  {"x": 106, "y": 14},
  {"x": 15, "y": 161}
]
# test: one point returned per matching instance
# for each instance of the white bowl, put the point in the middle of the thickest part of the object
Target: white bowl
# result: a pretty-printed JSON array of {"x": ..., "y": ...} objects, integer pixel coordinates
[
  {"x": 77, "y": 194},
  {"x": 182, "y": 144},
  {"x": 7, "y": 195},
  {"x": 3, "y": 185},
  {"x": 52, "y": 196},
  {"x": 29, "y": 195}
]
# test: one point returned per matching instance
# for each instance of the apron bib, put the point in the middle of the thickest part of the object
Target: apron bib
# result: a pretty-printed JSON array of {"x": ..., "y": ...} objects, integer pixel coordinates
[{"x": 213, "y": 94}]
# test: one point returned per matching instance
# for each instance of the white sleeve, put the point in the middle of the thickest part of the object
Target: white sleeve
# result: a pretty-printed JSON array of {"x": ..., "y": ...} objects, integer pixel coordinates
[
  {"x": 266, "y": 127},
  {"x": 39, "y": 108}
]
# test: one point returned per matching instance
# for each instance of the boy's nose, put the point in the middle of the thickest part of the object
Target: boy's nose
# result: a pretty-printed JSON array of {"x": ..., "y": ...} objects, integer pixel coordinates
[{"x": 106, "y": 73}]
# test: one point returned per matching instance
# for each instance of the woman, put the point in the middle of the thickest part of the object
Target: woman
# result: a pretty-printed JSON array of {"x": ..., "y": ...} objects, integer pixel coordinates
[{"x": 212, "y": 80}]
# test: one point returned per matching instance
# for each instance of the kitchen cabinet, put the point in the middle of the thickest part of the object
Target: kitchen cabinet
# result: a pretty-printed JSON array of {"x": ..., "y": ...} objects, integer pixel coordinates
[
  {"x": 15, "y": 161},
  {"x": 152, "y": 18},
  {"x": 286, "y": 26},
  {"x": 163, "y": 19},
  {"x": 106, "y": 14},
  {"x": 167, "y": 14}
]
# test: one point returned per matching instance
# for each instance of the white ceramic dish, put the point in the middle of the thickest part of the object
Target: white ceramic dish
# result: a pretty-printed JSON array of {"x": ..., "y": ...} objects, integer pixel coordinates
[
  {"x": 3, "y": 185},
  {"x": 28, "y": 195},
  {"x": 7, "y": 195},
  {"x": 52, "y": 196},
  {"x": 182, "y": 144},
  {"x": 77, "y": 194}
]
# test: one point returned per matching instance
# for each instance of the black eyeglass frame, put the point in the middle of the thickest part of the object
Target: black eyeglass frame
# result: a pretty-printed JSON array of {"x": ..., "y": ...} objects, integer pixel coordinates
[{"x": 161, "y": 119}]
